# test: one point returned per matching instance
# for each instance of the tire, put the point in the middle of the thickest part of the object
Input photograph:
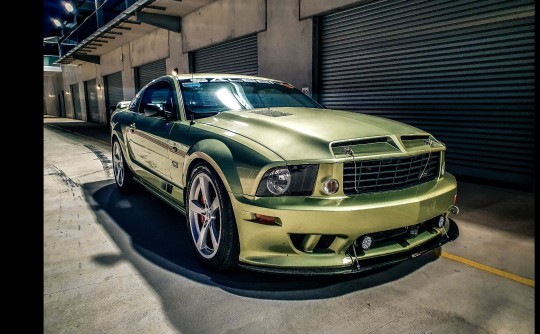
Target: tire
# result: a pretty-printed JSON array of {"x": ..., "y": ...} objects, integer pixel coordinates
[
  {"x": 211, "y": 220},
  {"x": 123, "y": 176}
]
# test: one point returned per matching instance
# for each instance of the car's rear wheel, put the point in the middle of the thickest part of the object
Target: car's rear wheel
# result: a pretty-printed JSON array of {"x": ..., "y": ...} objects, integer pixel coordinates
[
  {"x": 122, "y": 174},
  {"x": 211, "y": 220}
]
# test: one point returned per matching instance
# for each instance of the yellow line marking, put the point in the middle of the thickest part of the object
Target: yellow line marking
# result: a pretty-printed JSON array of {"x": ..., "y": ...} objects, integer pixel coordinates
[
  {"x": 79, "y": 134},
  {"x": 489, "y": 269}
]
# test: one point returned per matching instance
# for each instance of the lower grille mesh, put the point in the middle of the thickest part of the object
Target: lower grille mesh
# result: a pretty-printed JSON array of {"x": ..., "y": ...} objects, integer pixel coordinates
[{"x": 389, "y": 174}]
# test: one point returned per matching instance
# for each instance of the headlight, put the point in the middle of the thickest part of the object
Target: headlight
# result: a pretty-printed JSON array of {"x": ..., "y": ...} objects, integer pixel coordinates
[
  {"x": 278, "y": 181},
  {"x": 288, "y": 180}
]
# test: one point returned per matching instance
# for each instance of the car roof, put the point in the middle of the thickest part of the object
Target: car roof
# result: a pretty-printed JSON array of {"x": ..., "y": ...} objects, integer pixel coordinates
[{"x": 217, "y": 76}]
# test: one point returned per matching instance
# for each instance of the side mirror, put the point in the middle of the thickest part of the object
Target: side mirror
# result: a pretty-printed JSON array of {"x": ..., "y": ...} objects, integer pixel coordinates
[
  {"x": 152, "y": 109},
  {"x": 168, "y": 108},
  {"x": 168, "y": 113}
]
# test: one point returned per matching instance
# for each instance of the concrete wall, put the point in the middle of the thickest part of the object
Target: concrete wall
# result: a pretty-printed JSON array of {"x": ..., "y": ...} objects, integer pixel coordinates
[
  {"x": 112, "y": 62},
  {"x": 70, "y": 75},
  {"x": 177, "y": 58},
  {"x": 285, "y": 48},
  {"x": 149, "y": 48},
  {"x": 128, "y": 75},
  {"x": 79, "y": 74},
  {"x": 52, "y": 93},
  {"x": 309, "y": 8},
  {"x": 285, "y": 35},
  {"x": 221, "y": 21}
]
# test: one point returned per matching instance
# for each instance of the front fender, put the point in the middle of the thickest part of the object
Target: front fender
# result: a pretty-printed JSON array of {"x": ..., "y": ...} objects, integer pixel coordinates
[
  {"x": 119, "y": 120},
  {"x": 218, "y": 155}
]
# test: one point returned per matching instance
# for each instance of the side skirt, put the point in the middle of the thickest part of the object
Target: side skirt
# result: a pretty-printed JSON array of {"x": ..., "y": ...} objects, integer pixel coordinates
[{"x": 160, "y": 195}]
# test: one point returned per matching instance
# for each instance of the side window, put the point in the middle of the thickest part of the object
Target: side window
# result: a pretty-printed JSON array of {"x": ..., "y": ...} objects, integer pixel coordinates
[{"x": 158, "y": 101}]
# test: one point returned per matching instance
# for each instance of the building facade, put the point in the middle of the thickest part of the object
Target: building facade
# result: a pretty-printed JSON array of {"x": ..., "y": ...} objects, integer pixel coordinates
[{"x": 462, "y": 70}]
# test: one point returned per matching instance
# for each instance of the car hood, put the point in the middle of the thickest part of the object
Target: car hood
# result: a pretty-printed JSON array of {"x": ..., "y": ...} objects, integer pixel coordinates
[{"x": 305, "y": 133}]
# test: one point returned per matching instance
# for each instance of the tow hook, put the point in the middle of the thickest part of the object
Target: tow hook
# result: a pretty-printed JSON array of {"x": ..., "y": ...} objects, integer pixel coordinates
[{"x": 454, "y": 209}]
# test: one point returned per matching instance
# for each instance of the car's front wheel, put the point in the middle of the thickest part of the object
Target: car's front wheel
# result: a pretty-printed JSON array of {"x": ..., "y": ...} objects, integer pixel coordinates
[
  {"x": 122, "y": 174},
  {"x": 211, "y": 220}
]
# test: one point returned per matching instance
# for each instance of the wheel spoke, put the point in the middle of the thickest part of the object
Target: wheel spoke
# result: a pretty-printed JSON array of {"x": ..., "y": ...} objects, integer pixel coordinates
[
  {"x": 204, "y": 215},
  {"x": 202, "y": 237},
  {"x": 205, "y": 189},
  {"x": 196, "y": 207},
  {"x": 118, "y": 164},
  {"x": 215, "y": 205},
  {"x": 213, "y": 233}
]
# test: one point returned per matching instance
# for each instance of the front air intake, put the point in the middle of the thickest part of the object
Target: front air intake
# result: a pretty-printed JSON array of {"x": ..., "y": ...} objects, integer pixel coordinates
[{"x": 366, "y": 176}]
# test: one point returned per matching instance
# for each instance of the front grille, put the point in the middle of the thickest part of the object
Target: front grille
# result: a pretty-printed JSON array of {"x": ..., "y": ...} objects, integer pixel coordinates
[{"x": 389, "y": 174}]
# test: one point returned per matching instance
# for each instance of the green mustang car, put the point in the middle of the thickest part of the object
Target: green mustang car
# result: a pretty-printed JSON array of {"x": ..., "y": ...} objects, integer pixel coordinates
[{"x": 270, "y": 180}]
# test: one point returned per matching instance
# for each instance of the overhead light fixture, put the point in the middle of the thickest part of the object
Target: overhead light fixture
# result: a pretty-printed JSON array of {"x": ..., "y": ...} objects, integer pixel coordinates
[
  {"x": 69, "y": 7},
  {"x": 57, "y": 23},
  {"x": 175, "y": 71}
]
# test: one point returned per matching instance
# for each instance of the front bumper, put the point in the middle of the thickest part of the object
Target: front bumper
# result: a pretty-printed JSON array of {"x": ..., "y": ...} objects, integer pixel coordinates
[
  {"x": 368, "y": 264},
  {"x": 272, "y": 248}
]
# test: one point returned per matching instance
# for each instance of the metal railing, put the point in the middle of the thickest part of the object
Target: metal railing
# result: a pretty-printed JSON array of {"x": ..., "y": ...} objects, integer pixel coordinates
[{"x": 105, "y": 13}]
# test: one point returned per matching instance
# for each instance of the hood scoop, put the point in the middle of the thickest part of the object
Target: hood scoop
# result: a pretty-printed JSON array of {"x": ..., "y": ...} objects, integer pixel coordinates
[
  {"x": 410, "y": 141},
  {"x": 269, "y": 112},
  {"x": 364, "y": 147}
]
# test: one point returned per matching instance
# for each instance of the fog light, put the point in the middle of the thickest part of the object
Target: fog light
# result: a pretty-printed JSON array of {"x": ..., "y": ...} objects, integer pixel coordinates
[
  {"x": 367, "y": 241},
  {"x": 330, "y": 186},
  {"x": 441, "y": 221}
]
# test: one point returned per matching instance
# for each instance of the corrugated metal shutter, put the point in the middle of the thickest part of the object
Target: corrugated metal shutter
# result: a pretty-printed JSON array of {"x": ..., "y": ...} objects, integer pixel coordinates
[
  {"x": 462, "y": 70},
  {"x": 114, "y": 89},
  {"x": 239, "y": 57},
  {"x": 148, "y": 72},
  {"x": 90, "y": 90},
  {"x": 76, "y": 101}
]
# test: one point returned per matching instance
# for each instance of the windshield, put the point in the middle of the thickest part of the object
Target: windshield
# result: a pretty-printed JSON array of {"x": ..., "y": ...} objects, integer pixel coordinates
[{"x": 207, "y": 97}]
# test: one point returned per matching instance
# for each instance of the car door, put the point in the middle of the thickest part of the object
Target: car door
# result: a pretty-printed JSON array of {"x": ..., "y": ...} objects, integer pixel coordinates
[{"x": 149, "y": 132}]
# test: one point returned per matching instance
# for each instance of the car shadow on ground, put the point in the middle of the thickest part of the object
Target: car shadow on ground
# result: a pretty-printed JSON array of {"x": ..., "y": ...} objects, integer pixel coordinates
[{"x": 145, "y": 228}]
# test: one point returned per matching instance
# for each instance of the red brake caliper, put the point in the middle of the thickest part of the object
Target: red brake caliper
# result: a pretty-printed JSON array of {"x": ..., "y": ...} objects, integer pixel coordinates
[{"x": 201, "y": 217}]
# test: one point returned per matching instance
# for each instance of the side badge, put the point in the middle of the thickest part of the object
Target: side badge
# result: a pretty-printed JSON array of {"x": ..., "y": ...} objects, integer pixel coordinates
[{"x": 174, "y": 164}]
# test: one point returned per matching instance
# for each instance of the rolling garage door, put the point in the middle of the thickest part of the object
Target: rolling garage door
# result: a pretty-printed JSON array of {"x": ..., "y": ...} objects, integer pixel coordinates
[
  {"x": 462, "y": 70},
  {"x": 149, "y": 72},
  {"x": 90, "y": 91},
  {"x": 75, "y": 99},
  {"x": 114, "y": 89},
  {"x": 239, "y": 57}
]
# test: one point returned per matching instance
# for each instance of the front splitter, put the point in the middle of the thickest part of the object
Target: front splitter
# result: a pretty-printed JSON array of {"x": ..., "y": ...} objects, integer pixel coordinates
[{"x": 359, "y": 265}]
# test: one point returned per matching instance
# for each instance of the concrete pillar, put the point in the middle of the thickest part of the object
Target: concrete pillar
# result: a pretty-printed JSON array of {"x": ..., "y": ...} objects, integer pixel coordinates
[
  {"x": 177, "y": 58},
  {"x": 128, "y": 75},
  {"x": 285, "y": 48}
]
